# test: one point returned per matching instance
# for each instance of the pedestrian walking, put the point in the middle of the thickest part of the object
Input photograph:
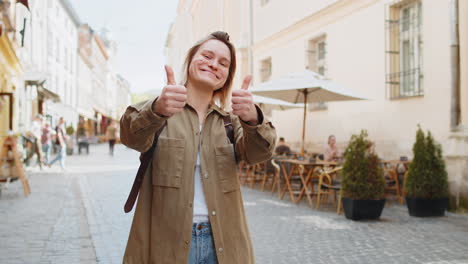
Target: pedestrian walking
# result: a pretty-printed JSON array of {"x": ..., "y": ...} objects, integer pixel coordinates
[
  {"x": 60, "y": 144},
  {"x": 111, "y": 136},
  {"x": 46, "y": 141},
  {"x": 36, "y": 133},
  {"x": 190, "y": 207},
  {"x": 82, "y": 137}
]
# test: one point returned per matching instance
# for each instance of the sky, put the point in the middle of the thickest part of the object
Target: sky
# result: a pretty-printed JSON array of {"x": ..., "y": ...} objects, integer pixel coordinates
[{"x": 140, "y": 28}]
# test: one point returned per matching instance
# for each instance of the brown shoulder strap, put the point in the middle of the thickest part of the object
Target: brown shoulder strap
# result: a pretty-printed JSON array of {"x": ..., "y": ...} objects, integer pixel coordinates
[
  {"x": 230, "y": 132},
  {"x": 145, "y": 159},
  {"x": 229, "y": 128}
]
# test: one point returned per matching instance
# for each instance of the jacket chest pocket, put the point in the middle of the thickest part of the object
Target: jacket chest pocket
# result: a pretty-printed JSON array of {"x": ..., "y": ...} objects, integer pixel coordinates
[
  {"x": 168, "y": 162},
  {"x": 227, "y": 168}
]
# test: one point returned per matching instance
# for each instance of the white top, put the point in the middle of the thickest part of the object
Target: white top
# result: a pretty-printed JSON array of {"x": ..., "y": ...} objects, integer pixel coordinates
[
  {"x": 200, "y": 210},
  {"x": 36, "y": 129}
]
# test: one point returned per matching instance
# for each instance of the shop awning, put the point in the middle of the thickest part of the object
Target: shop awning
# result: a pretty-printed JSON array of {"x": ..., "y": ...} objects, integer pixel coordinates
[
  {"x": 23, "y": 2},
  {"x": 89, "y": 114},
  {"x": 100, "y": 111},
  {"x": 47, "y": 94}
]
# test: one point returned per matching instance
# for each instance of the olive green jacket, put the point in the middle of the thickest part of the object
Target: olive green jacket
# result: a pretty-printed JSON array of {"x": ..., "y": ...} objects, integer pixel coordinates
[{"x": 162, "y": 225}]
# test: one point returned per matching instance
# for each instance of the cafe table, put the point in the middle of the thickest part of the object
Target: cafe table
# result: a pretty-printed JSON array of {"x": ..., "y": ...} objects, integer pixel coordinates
[{"x": 304, "y": 167}]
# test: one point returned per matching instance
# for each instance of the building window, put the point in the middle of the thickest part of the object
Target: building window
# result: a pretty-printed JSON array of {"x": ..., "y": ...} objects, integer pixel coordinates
[
  {"x": 317, "y": 55},
  {"x": 65, "y": 57},
  {"x": 57, "y": 88},
  {"x": 50, "y": 44},
  {"x": 404, "y": 50},
  {"x": 265, "y": 70},
  {"x": 65, "y": 92},
  {"x": 70, "y": 88},
  {"x": 57, "y": 49},
  {"x": 264, "y": 2},
  {"x": 70, "y": 60}
]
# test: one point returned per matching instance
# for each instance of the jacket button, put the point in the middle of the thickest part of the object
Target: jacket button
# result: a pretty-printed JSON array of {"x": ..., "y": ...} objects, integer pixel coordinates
[
  {"x": 190, "y": 204},
  {"x": 220, "y": 250},
  {"x": 187, "y": 242},
  {"x": 213, "y": 213},
  {"x": 205, "y": 175}
]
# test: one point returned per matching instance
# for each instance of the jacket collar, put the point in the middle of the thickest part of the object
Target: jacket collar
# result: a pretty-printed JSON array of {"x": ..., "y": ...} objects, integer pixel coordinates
[
  {"x": 217, "y": 109},
  {"x": 211, "y": 108}
]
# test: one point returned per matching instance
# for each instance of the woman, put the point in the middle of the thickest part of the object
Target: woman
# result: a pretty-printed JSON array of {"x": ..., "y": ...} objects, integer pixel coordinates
[
  {"x": 331, "y": 152},
  {"x": 60, "y": 144},
  {"x": 82, "y": 136},
  {"x": 111, "y": 136},
  {"x": 46, "y": 141},
  {"x": 190, "y": 206}
]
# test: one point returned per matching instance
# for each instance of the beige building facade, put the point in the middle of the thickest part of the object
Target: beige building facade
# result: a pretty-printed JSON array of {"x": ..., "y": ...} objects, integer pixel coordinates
[
  {"x": 397, "y": 54},
  {"x": 11, "y": 71}
]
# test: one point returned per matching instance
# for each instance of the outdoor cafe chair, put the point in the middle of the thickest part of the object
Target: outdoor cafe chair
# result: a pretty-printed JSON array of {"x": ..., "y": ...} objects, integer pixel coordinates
[
  {"x": 271, "y": 175},
  {"x": 392, "y": 172},
  {"x": 392, "y": 183},
  {"x": 256, "y": 174},
  {"x": 328, "y": 184},
  {"x": 250, "y": 174},
  {"x": 243, "y": 171}
]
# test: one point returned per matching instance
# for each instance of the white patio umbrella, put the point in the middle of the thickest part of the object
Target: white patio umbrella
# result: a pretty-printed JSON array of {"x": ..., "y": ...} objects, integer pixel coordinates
[
  {"x": 275, "y": 104},
  {"x": 305, "y": 87}
]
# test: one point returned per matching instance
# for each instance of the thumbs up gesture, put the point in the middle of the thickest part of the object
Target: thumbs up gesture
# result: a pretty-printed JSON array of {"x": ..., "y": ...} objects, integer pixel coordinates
[
  {"x": 242, "y": 103},
  {"x": 173, "y": 97}
]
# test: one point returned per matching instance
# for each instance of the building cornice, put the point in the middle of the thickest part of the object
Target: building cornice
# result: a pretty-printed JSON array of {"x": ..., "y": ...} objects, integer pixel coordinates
[
  {"x": 101, "y": 46},
  {"x": 194, "y": 5},
  {"x": 180, "y": 6},
  {"x": 85, "y": 57},
  {"x": 325, "y": 15},
  {"x": 71, "y": 12}
]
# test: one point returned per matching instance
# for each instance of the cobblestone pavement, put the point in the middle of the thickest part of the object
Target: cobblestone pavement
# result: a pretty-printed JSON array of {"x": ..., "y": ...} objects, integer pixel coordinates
[{"x": 77, "y": 217}]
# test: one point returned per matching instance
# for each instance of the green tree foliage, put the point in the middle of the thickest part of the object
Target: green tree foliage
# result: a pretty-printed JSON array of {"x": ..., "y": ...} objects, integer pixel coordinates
[
  {"x": 427, "y": 177},
  {"x": 70, "y": 130},
  {"x": 363, "y": 177}
]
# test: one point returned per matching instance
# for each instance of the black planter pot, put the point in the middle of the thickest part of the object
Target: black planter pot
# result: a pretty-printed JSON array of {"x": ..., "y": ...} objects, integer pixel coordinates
[
  {"x": 362, "y": 209},
  {"x": 426, "y": 207}
]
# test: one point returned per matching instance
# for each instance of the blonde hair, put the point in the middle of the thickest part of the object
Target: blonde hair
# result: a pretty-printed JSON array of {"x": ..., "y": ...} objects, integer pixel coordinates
[{"x": 221, "y": 94}]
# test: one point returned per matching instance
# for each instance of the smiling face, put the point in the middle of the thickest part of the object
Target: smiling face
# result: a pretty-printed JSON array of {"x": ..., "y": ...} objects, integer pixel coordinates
[{"x": 210, "y": 65}]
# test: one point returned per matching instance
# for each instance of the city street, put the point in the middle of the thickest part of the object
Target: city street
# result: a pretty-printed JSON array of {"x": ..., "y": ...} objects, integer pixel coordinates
[{"x": 77, "y": 216}]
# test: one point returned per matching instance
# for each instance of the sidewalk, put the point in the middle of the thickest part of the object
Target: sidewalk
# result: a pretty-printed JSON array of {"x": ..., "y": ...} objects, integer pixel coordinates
[{"x": 77, "y": 217}]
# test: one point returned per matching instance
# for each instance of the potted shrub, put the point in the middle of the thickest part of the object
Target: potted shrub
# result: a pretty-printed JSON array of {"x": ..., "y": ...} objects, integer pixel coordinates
[
  {"x": 69, "y": 141},
  {"x": 363, "y": 185},
  {"x": 426, "y": 183}
]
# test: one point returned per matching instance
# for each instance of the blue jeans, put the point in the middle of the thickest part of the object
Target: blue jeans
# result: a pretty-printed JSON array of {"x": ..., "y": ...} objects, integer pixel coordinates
[
  {"x": 47, "y": 148},
  {"x": 61, "y": 154},
  {"x": 202, "y": 250}
]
